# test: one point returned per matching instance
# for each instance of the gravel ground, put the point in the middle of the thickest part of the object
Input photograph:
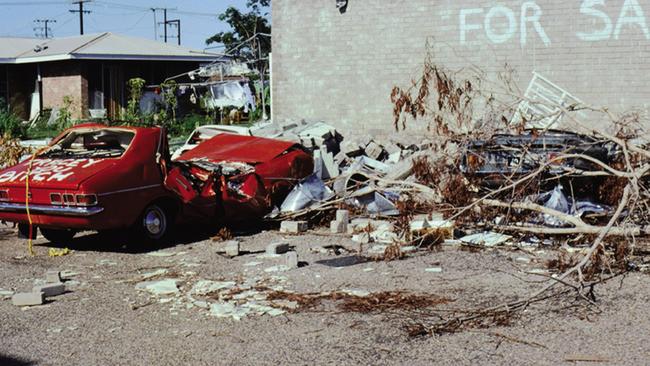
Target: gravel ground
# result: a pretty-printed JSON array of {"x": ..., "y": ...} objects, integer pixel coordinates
[{"x": 104, "y": 320}]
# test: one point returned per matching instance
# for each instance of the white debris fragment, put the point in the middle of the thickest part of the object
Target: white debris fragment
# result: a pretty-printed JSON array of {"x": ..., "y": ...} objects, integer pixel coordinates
[
  {"x": 280, "y": 268},
  {"x": 487, "y": 239},
  {"x": 362, "y": 238},
  {"x": 343, "y": 216},
  {"x": 5, "y": 293},
  {"x": 293, "y": 226},
  {"x": 252, "y": 264},
  {"x": 28, "y": 298},
  {"x": 338, "y": 227},
  {"x": 204, "y": 287},
  {"x": 66, "y": 274},
  {"x": 433, "y": 270},
  {"x": 163, "y": 287},
  {"x": 291, "y": 260},
  {"x": 161, "y": 254},
  {"x": 356, "y": 292},
  {"x": 158, "y": 272},
  {"x": 52, "y": 276}
]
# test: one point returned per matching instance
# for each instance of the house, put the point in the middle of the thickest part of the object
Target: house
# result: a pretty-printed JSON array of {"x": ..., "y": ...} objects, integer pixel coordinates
[
  {"x": 93, "y": 69},
  {"x": 338, "y": 60}
]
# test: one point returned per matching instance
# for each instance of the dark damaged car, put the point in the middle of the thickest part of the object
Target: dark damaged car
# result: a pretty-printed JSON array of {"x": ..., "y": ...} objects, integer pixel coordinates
[
  {"x": 94, "y": 177},
  {"x": 560, "y": 155}
]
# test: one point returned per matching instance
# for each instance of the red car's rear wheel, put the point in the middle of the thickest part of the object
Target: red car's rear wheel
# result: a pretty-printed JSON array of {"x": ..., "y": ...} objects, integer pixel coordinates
[
  {"x": 58, "y": 236},
  {"x": 155, "y": 223}
]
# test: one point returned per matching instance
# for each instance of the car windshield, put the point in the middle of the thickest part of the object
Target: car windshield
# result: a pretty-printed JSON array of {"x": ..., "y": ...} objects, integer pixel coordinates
[{"x": 91, "y": 144}]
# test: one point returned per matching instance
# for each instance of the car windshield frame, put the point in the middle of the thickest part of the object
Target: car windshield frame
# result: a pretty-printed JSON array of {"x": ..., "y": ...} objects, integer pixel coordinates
[{"x": 103, "y": 143}]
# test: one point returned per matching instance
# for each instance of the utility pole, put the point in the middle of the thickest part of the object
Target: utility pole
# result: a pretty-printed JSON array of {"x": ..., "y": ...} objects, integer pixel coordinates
[
  {"x": 166, "y": 22},
  {"x": 45, "y": 30},
  {"x": 177, "y": 23},
  {"x": 81, "y": 12},
  {"x": 155, "y": 23}
]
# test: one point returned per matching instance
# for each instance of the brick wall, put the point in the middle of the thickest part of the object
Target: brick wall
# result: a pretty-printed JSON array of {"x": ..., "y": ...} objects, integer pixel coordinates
[
  {"x": 62, "y": 79},
  {"x": 341, "y": 67}
]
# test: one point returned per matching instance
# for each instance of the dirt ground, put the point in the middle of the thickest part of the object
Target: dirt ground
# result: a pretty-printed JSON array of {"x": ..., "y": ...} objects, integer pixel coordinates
[{"x": 103, "y": 319}]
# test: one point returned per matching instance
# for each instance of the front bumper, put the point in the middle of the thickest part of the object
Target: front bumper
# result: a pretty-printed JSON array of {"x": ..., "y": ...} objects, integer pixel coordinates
[{"x": 50, "y": 210}]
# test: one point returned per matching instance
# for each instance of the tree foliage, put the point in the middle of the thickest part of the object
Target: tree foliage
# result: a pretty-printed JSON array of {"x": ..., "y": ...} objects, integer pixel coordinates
[{"x": 245, "y": 25}]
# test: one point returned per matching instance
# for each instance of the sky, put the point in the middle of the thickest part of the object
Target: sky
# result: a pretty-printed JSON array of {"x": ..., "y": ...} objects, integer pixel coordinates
[{"x": 130, "y": 17}]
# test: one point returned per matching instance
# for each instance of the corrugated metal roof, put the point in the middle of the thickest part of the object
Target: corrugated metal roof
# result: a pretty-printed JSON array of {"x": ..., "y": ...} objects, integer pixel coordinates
[{"x": 101, "y": 47}]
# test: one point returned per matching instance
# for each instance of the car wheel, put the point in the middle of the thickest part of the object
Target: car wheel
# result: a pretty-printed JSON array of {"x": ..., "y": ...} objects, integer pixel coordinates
[
  {"x": 58, "y": 236},
  {"x": 155, "y": 223},
  {"x": 23, "y": 231}
]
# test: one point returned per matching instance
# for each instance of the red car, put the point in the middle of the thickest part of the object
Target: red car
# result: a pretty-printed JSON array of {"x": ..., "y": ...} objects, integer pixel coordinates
[{"x": 94, "y": 177}]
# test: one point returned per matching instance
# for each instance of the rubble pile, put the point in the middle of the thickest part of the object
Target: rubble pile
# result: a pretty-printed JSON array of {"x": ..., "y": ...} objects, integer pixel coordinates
[{"x": 523, "y": 184}]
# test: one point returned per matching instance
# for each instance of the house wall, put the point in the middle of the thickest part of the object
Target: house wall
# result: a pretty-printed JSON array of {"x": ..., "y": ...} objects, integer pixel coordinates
[
  {"x": 341, "y": 67},
  {"x": 65, "y": 78}
]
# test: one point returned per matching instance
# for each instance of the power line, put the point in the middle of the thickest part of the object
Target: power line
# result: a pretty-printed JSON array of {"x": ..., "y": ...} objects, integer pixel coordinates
[
  {"x": 45, "y": 31},
  {"x": 135, "y": 7},
  {"x": 29, "y": 3}
]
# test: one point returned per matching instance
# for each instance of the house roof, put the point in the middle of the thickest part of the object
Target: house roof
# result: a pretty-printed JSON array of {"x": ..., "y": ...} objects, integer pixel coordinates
[
  {"x": 11, "y": 47},
  {"x": 103, "y": 46}
]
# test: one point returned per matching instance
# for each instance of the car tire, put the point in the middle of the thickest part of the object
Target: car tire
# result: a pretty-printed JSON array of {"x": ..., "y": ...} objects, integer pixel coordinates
[
  {"x": 155, "y": 223},
  {"x": 23, "y": 231},
  {"x": 58, "y": 236}
]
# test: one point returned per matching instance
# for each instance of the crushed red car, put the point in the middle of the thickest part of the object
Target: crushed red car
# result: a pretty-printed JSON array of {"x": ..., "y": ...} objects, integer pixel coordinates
[{"x": 94, "y": 177}]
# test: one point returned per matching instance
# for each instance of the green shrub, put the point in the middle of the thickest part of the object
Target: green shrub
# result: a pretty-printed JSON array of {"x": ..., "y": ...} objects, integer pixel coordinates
[
  {"x": 64, "y": 119},
  {"x": 135, "y": 87},
  {"x": 10, "y": 124}
]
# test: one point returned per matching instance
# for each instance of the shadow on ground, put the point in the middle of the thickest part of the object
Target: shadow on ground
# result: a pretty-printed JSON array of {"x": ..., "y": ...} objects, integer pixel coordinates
[
  {"x": 12, "y": 361},
  {"x": 123, "y": 242}
]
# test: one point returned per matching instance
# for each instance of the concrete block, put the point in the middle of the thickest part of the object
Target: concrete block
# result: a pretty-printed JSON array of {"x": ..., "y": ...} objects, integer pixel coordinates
[
  {"x": 28, "y": 298},
  {"x": 232, "y": 248},
  {"x": 293, "y": 226},
  {"x": 52, "y": 277},
  {"x": 291, "y": 259},
  {"x": 374, "y": 151},
  {"x": 343, "y": 215},
  {"x": 277, "y": 248},
  {"x": 329, "y": 168},
  {"x": 338, "y": 227},
  {"x": 50, "y": 289}
]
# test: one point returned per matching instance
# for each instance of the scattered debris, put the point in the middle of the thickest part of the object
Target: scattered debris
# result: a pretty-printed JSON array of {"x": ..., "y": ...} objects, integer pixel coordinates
[
  {"x": 277, "y": 248},
  {"x": 50, "y": 289},
  {"x": 28, "y": 298},
  {"x": 293, "y": 227},
  {"x": 433, "y": 270},
  {"x": 161, "y": 287},
  {"x": 230, "y": 248},
  {"x": 291, "y": 260},
  {"x": 486, "y": 239},
  {"x": 52, "y": 277}
]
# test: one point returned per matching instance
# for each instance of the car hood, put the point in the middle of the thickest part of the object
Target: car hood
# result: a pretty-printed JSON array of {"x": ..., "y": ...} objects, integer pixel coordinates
[
  {"x": 237, "y": 148},
  {"x": 54, "y": 173}
]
